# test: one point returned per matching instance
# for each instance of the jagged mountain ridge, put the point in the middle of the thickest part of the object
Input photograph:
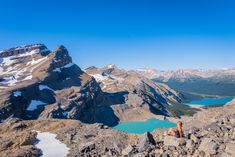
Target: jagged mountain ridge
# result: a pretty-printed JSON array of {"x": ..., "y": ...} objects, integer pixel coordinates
[
  {"x": 141, "y": 96},
  {"x": 212, "y": 82},
  {"x": 39, "y": 83},
  {"x": 184, "y": 74}
]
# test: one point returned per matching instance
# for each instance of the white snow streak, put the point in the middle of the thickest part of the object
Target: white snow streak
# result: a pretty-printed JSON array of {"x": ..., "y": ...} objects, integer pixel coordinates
[{"x": 34, "y": 104}]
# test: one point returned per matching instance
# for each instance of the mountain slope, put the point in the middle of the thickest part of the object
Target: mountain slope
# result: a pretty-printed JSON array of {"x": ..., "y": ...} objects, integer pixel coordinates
[
  {"x": 38, "y": 83},
  {"x": 135, "y": 95}
]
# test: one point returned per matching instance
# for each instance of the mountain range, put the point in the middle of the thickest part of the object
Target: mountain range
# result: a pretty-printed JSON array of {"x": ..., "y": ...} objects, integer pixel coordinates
[
  {"x": 37, "y": 83},
  {"x": 50, "y": 105},
  {"x": 207, "y": 82}
]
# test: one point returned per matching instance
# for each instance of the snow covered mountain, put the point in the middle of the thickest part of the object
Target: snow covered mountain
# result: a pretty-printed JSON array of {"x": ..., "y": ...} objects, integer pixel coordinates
[
  {"x": 219, "y": 81},
  {"x": 38, "y": 83}
]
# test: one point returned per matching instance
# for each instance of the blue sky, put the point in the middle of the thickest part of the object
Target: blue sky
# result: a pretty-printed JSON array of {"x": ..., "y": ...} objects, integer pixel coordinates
[{"x": 161, "y": 34}]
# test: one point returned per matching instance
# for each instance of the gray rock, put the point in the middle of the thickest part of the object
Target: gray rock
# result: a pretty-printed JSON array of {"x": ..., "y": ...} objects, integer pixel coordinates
[
  {"x": 230, "y": 148},
  {"x": 87, "y": 147},
  {"x": 127, "y": 151},
  {"x": 145, "y": 142},
  {"x": 164, "y": 155},
  {"x": 139, "y": 155},
  {"x": 225, "y": 155},
  {"x": 19, "y": 125},
  {"x": 213, "y": 127},
  {"x": 194, "y": 138},
  {"x": 171, "y": 141},
  {"x": 190, "y": 144},
  {"x": 208, "y": 146}
]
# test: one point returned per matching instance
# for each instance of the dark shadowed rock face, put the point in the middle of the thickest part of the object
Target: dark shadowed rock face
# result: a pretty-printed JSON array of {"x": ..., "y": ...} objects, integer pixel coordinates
[{"x": 24, "y": 49}]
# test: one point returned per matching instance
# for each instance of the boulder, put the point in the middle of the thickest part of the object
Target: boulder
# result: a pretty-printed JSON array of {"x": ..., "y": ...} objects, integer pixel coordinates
[
  {"x": 127, "y": 151},
  {"x": 146, "y": 142},
  {"x": 87, "y": 147},
  {"x": 171, "y": 141},
  {"x": 208, "y": 146}
]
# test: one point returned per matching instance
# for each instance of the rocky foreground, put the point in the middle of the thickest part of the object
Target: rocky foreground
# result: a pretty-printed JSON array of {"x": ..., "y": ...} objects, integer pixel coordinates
[{"x": 213, "y": 137}]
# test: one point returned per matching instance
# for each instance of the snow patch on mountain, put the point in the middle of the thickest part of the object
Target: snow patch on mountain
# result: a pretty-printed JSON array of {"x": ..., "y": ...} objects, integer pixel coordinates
[
  {"x": 17, "y": 93},
  {"x": 34, "y": 105},
  {"x": 99, "y": 77},
  {"x": 50, "y": 146},
  {"x": 42, "y": 87}
]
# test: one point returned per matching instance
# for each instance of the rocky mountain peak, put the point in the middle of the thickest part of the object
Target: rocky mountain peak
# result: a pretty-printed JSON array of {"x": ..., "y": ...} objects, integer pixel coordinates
[
  {"x": 36, "y": 82},
  {"x": 61, "y": 57},
  {"x": 111, "y": 66}
]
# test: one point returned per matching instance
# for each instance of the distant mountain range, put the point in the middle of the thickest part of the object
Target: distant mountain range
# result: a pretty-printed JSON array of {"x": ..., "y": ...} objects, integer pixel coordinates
[
  {"x": 211, "y": 82},
  {"x": 37, "y": 83}
]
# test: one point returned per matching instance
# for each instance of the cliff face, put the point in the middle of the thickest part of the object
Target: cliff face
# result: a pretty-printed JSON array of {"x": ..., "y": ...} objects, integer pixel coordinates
[{"x": 39, "y": 83}]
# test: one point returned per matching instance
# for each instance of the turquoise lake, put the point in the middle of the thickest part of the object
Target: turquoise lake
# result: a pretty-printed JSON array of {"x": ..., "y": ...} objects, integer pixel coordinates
[
  {"x": 211, "y": 101},
  {"x": 142, "y": 127}
]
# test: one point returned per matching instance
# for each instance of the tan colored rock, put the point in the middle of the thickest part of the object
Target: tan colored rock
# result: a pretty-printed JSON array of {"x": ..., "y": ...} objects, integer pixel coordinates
[
  {"x": 208, "y": 146},
  {"x": 171, "y": 141},
  {"x": 127, "y": 151},
  {"x": 230, "y": 148}
]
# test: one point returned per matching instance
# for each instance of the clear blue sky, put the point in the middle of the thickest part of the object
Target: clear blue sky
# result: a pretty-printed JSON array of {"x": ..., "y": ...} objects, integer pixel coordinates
[{"x": 162, "y": 34}]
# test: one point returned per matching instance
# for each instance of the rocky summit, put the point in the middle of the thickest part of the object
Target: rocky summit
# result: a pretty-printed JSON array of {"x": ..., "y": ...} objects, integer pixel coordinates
[
  {"x": 39, "y": 83},
  {"x": 50, "y": 107}
]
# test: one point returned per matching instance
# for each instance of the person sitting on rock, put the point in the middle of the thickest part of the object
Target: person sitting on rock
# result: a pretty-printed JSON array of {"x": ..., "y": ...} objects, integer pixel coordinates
[{"x": 177, "y": 132}]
